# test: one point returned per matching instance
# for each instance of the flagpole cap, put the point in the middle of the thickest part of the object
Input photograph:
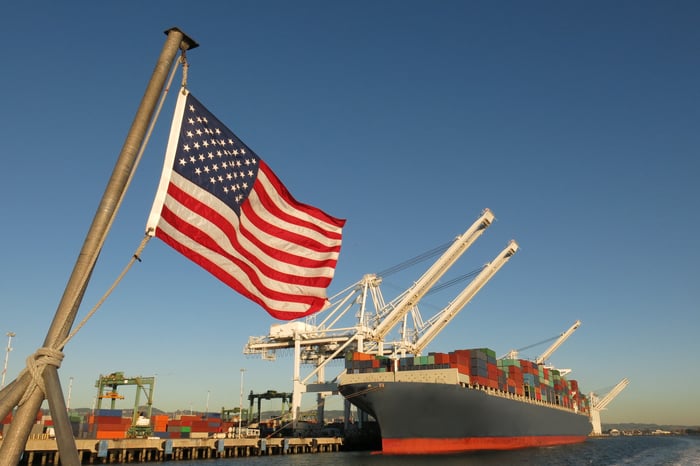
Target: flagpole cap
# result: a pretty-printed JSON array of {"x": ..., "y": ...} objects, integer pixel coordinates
[{"x": 187, "y": 42}]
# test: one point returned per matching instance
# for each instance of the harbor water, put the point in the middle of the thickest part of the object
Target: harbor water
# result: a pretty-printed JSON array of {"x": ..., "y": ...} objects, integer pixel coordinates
[{"x": 604, "y": 451}]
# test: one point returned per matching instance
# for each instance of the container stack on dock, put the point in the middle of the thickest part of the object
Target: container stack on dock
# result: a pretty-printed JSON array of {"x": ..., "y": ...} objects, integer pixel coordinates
[
  {"x": 195, "y": 426},
  {"x": 519, "y": 377},
  {"x": 108, "y": 424},
  {"x": 159, "y": 423}
]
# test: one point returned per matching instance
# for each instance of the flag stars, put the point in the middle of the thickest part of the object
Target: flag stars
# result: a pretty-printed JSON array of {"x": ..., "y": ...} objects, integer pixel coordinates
[{"x": 233, "y": 173}]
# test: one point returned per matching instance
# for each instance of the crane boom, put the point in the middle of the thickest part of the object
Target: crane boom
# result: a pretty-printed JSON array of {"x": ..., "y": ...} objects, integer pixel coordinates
[
  {"x": 562, "y": 338},
  {"x": 605, "y": 401},
  {"x": 452, "y": 309},
  {"x": 432, "y": 275},
  {"x": 598, "y": 405}
]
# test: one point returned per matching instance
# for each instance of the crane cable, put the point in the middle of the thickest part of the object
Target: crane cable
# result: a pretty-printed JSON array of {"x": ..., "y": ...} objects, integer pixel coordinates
[{"x": 415, "y": 260}]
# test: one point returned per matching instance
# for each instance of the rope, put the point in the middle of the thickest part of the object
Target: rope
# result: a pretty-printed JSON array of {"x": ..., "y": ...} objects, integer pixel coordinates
[
  {"x": 185, "y": 68},
  {"x": 134, "y": 258},
  {"x": 54, "y": 356},
  {"x": 35, "y": 366}
]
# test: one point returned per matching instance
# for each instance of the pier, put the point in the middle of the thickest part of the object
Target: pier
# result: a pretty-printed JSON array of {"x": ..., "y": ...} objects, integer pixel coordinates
[{"x": 44, "y": 451}]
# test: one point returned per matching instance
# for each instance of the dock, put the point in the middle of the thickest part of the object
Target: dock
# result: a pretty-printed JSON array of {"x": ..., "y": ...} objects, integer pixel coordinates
[{"x": 44, "y": 451}]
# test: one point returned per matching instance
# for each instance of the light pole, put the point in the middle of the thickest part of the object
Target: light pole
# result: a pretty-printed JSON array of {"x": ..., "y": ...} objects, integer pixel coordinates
[
  {"x": 7, "y": 357},
  {"x": 240, "y": 405},
  {"x": 70, "y": 389}
]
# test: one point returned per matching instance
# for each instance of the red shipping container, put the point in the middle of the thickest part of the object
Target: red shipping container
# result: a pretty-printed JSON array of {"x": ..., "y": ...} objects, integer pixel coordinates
[{"x": 109, "y": 434}]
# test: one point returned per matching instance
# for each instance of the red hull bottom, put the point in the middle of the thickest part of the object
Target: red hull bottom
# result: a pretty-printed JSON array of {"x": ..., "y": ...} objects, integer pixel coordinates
[{"x": 426, "y": 446}]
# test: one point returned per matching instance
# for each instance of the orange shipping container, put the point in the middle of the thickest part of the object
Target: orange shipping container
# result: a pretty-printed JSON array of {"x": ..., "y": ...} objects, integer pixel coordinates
[{"x": 109, "y": 434}]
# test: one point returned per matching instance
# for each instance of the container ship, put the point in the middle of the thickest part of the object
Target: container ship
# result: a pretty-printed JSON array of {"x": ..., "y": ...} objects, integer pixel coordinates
[{"x": 466, "y": 400}]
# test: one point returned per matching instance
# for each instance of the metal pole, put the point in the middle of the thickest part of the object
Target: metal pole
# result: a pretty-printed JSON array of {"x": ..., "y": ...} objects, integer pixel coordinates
[
  {"x": 240, "y": 405},
  {"x": 70, "y": 390},
  {"x": 14, "y": 442},
  {"x": 7, "y": 356}
]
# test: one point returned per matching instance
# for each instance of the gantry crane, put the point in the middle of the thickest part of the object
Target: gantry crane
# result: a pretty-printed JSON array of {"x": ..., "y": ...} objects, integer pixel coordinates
[
  {"x": 140, "y": 422},
  {"x": 513, "y": 354},
  {"x": 562, "y": 338},
  {"x": 395, "y": 313},
  {"x": 597, "y": 405},
  {"x": 318, "y": 343},
  {"x": 440, "y": 321}
]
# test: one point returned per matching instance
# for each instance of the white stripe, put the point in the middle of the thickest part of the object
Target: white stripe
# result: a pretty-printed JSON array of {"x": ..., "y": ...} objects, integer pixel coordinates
[
  {"x": 157, "y": 207},
  {"x": 284, "y": 243},
  {"x": 225, "y": 264},
  {"x": 284, "y": 206}
]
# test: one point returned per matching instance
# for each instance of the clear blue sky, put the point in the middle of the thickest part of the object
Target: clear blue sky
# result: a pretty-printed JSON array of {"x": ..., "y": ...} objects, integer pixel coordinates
[{"x": 575, "y": 122}]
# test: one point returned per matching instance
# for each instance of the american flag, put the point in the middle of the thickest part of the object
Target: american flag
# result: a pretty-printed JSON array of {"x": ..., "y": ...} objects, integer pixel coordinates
[{"x": 221, "y": 206}]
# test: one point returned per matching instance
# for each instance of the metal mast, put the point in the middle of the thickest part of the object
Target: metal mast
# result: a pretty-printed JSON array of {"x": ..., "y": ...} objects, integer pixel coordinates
[{"x": 15, "y": 440}]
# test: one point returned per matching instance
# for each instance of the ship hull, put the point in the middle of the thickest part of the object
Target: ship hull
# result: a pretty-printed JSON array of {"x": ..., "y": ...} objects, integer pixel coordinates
[{"x": 430, "y": 418}]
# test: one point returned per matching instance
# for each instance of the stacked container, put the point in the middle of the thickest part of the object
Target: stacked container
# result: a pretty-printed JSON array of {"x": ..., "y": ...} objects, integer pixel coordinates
[
  {"x": 519, "y": 377},
  {"x": 108, "y": 424}
]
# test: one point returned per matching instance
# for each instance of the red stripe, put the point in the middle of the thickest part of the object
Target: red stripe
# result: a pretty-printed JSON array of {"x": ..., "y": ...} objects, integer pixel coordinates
[
  {"x": 312, "y": 211},
  {"x": 423, "y": 446},
  {"x": 207, "y": 242},
  {"x": 315, "y": 303}
]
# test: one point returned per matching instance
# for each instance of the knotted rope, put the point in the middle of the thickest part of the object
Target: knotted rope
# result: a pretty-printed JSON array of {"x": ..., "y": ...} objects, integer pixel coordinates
[{"x": 35, "y": 366}]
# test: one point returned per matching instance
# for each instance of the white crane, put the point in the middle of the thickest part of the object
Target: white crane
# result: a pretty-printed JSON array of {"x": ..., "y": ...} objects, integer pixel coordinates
[
  {"x": 440, "y": 321},
  {"x": 431, "y": 276},
  {"x": 597, "y": 405},
  {"x": 318, "y": 343},
  {"x": 562, "y": 338},
  {"x": 513, "y": 354}
]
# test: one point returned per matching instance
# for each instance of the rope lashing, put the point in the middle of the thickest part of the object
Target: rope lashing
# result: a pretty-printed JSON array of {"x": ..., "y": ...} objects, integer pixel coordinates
[
  {"x": 185, "y": 67},
  {"x": 35, "y": 366}
]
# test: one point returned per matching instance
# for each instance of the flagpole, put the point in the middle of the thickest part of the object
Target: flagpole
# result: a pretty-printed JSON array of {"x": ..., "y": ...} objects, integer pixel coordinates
[{"x": 14, "y": 442}]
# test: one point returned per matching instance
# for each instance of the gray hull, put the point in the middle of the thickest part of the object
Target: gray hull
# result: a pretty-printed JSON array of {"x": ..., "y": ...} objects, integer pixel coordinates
[{"x": 418, "y": 418}]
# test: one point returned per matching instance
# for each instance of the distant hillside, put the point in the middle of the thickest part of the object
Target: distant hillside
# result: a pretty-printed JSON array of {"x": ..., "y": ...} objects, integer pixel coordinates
[{"x": 631, "y": 426}]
